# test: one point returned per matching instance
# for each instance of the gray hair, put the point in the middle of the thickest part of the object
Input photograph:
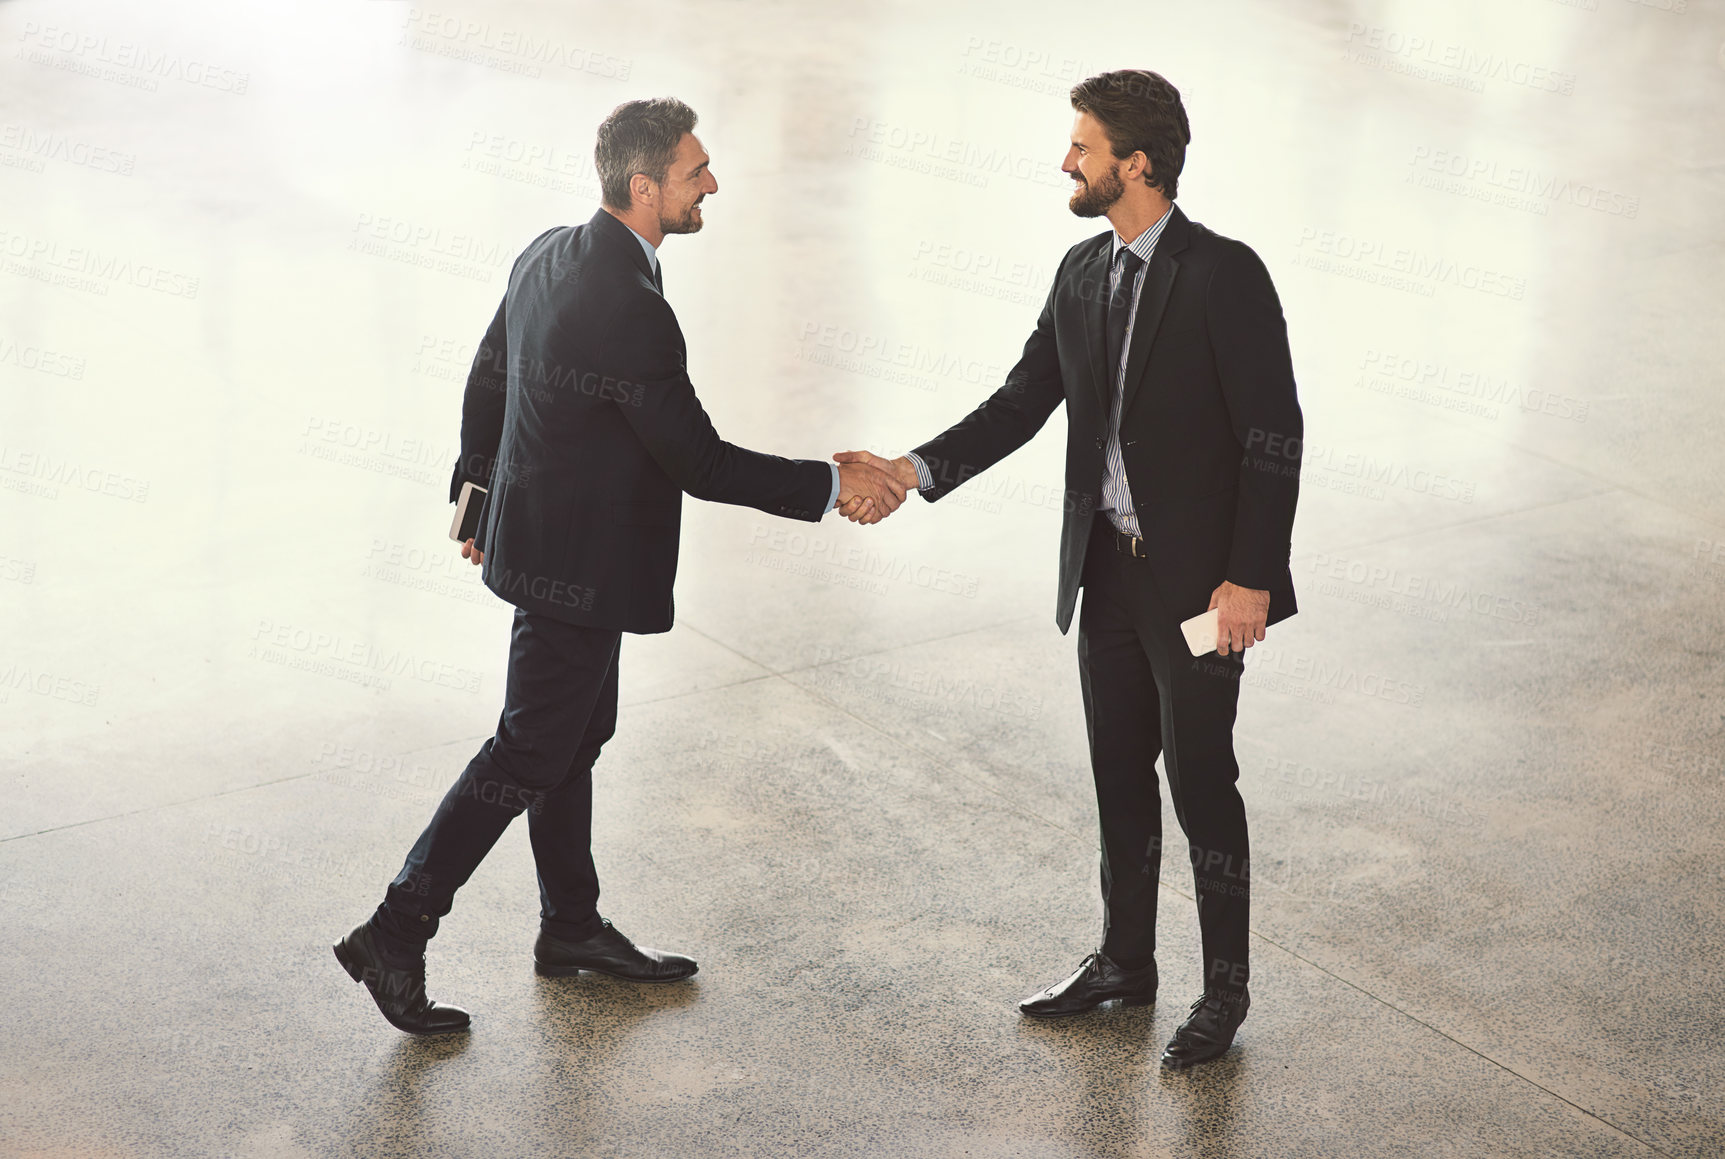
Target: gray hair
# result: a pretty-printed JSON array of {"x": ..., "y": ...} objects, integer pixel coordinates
[{"x": 638, "y": 137}]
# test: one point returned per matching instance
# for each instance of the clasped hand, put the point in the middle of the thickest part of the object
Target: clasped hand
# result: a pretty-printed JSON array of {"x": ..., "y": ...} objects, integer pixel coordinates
[{"x": 870, "y": 487}]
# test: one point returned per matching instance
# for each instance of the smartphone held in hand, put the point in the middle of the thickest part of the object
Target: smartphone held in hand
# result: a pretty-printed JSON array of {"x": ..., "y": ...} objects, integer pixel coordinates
[
  {"x": 1200, "y": 631},
  {"x": 467, "y": 511}
]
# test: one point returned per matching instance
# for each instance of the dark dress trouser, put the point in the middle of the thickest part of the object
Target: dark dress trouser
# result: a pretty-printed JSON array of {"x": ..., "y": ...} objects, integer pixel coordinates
[
  {"x": 559, "y": 708},
  {"x": 1145, "y": 694}
]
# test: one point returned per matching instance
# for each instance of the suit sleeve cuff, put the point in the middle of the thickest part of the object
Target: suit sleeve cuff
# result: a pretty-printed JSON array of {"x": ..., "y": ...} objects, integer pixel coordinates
[
  {"x": 924, "y": 478},
  {"x": 833, "y": 500}
]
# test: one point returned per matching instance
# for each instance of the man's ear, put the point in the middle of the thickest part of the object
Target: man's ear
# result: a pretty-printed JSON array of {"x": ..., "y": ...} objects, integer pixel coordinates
[{"x": 641, "y": 188}]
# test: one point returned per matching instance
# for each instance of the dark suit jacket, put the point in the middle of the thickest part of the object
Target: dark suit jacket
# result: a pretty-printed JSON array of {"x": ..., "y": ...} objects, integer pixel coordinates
[
  {"x": 580, "y": 418},
  {"x": 1210, "y": 431}
]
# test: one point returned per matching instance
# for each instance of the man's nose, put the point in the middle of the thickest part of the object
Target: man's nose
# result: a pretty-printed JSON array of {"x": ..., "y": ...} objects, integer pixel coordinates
[{"x": 712, "y": 182}]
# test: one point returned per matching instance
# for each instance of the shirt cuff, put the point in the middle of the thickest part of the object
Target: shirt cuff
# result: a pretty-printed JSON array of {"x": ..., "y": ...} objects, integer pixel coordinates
[
  {"x": 834, "y": 500},
  {"x": 924, "y": 477}
]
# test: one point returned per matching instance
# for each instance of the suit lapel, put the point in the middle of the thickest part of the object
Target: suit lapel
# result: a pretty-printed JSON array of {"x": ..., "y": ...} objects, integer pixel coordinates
[
  {"x": 1152, "y": 301},
  {"x": 1093, "y": 295}
]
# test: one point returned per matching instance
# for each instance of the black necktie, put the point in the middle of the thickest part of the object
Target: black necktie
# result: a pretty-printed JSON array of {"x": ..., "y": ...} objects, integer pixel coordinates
[
  {"x": 659, "y": 279},
  {"x": 1119, "y": 309}
]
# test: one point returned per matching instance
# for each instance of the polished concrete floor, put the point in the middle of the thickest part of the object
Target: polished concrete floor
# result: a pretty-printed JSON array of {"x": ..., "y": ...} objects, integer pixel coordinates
[{"x": 247, "y": 249}]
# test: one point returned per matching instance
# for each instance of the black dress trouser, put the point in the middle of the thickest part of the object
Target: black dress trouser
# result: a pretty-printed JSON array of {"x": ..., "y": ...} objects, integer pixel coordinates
[
  {"x": 559, "y": 708},
  {"x": 1144, "y": 695}
]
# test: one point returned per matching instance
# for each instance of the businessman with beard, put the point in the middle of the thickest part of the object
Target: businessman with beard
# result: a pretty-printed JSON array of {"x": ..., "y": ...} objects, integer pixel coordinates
[
  {"x": 1167, "y": 344},
  {"x": 580, "y": 418}
]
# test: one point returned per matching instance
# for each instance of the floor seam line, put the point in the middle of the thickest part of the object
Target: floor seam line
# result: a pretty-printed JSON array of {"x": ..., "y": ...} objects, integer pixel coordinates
[
  {"x": 157, "y": 806},
  {"x": 1457, "y": 424},
  {"x": 1384, "y": 1002},
  {"x": 1418, "y": 1021},
  {"x": 1471, "y": 522},
  {"x": 859, "y": 655}
]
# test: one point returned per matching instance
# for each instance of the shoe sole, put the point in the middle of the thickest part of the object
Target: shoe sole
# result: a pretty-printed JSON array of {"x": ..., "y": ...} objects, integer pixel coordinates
[
  {"x": 1182, "y": 1064},
  {"x": 357, "y": 973},
  {"x": 545, "y": 971},
  {"x": 1050, "y": 1016}
]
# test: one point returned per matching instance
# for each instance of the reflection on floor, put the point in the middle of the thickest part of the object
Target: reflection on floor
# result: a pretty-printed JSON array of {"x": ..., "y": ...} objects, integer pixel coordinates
[{"x": 248, "y": 249}]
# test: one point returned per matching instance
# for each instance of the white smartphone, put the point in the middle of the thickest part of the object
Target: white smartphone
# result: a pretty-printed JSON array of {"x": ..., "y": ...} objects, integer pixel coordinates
[
  {"x": 467, "y": 509},
  {"x": 1200, "y": 631}
]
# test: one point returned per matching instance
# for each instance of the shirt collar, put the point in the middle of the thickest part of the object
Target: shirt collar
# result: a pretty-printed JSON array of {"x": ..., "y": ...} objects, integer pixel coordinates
[
  {"x": 1145, "y": 244},
  {"x": 652, "y": 256}
]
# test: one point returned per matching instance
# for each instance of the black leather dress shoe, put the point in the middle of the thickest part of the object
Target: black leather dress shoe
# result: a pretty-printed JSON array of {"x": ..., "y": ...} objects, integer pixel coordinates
[
  {"x": 608, "y": 952},
  {"x": 1097, "y": 980},
  {"x": 398, "y": 991},
  {"x": 1208, "y": 1030}
]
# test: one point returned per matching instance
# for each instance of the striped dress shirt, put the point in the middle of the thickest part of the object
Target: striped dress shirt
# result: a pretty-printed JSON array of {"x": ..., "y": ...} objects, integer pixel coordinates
[{"x": 1116, "y": 494}]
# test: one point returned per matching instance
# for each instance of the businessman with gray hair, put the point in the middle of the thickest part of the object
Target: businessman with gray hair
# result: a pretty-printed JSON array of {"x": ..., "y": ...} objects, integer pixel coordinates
[{"x": 580, "y": 419}]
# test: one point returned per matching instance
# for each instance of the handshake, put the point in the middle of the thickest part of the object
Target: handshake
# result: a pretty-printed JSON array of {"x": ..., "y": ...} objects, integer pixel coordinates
[{"x": 870, "y": 487}]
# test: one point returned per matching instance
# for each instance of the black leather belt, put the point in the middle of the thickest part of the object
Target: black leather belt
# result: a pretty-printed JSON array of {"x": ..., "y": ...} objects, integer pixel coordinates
[{"x": 1131, "y": 546}]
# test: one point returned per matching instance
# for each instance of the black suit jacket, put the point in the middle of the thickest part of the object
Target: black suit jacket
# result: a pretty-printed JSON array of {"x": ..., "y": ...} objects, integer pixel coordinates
[
  {"x": 580, "y": 418},
  {"x": 1210, "y": 430}
]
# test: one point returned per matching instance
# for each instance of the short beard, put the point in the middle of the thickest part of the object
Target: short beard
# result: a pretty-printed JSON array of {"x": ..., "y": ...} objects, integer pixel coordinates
[
  {"x": 1095, "y": 198},
  {"x": 687, "y": 223}
]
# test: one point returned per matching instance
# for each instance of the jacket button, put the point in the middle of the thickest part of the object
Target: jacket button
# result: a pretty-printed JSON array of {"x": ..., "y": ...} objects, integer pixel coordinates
[{"x": 1098, "y": 444}]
